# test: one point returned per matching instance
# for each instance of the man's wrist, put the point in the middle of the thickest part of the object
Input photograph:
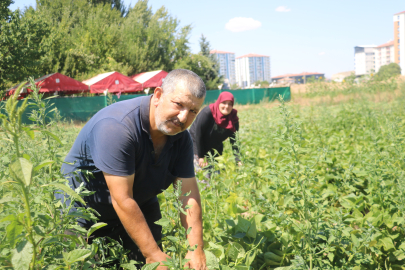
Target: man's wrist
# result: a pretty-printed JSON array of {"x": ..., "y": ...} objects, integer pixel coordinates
[{"x": 151, "y": 251}]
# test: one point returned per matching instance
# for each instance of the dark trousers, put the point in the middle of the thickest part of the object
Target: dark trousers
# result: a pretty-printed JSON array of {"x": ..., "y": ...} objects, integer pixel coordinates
[{"x": 117, "y": 231}]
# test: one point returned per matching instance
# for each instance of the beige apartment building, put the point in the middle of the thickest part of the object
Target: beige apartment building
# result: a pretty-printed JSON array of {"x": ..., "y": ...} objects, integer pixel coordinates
[
  {"x": 384, "y": 55},
  {"x": 399, "y": 40}
]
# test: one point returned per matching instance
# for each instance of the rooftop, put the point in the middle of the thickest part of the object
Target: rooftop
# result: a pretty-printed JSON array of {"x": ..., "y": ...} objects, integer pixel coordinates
[
  {"x": 143, "y": 77},
  {"x": 296, "y": 75},
  {"x": 252, "y": 55},
  {"x": 218, "y": 51},
  {"x": 367, "y": 46},
  {"x": 97, "y": 78},
  {"x": 389, "y": 43},
  {"x": 399, "y": 13}
]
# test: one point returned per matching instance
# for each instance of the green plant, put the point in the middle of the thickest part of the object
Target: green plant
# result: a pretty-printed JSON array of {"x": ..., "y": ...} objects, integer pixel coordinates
[{"x": 33, "y": 222}]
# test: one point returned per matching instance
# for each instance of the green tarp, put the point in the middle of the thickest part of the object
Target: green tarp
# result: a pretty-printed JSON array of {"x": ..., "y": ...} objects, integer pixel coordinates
[{"x": 83, "y": 108}]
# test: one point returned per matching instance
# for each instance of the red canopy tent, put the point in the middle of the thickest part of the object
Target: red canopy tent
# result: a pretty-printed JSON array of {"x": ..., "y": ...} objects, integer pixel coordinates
[
  {"x": 52, "y": 83},
  {"x": 113, "y": 82},
  {"x": 150, "y": 79}
]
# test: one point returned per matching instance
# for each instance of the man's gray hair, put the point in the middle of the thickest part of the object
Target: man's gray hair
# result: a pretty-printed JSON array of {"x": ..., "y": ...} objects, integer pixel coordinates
[{"x": 189, "y": 79}]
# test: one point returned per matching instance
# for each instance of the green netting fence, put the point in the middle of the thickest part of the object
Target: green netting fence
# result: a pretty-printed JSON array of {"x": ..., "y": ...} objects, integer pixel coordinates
[{"x": 83, "y": 108}]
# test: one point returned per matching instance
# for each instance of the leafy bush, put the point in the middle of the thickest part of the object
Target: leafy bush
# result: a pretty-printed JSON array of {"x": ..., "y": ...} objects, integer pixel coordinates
[{"x": 388, "y": 71}]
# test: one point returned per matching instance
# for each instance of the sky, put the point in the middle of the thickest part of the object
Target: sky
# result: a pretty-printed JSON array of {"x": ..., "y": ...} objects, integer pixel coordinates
[{"x": 299, "y": 36}]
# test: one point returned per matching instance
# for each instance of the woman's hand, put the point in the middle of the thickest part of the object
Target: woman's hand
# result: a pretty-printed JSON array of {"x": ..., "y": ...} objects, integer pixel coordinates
[{"x": 202, "y": 163}]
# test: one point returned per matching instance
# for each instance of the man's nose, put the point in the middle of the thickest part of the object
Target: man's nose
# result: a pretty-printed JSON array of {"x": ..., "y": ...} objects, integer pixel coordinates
[{"x": 183, "y": 116}]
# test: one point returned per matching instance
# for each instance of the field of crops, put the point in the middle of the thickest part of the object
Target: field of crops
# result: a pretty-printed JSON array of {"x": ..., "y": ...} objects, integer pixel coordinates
[{"x": 321, "y": 187}]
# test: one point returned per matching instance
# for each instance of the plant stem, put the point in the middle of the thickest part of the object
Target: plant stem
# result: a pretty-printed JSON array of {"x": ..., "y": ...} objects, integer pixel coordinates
[{"x": 29, "y": 226}]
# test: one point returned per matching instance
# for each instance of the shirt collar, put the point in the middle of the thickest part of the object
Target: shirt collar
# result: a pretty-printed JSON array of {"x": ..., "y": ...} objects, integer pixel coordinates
[{"x": 145, "y": 123}]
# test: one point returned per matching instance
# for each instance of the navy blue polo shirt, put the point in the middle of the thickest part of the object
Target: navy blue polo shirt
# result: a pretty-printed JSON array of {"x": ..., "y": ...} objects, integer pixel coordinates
[{"x": 117, "y": 141}]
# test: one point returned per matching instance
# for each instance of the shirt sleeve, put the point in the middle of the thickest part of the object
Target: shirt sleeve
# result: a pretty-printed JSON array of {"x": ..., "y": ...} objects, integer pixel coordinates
[
  {"x": 202, "y": 125},
  {"x": 184, "y": 167},
  {"x": 112, "y": 147},
  {"x": 235, "y": 148}
]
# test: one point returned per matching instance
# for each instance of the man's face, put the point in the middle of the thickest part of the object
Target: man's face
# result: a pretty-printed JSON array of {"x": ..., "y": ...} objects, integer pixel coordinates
[{"x": 176, "y": 111}]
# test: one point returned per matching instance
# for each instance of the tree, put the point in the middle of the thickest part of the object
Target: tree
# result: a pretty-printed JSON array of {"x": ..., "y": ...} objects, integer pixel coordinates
[
  {"x": 21, "y": 46},
  {"x": 82, "y": 38},
  {"x": 202, "y": 66},
  {"x": 152, "y": 41},
  {"x": 388, "y": 71},
  {"x": 5, "y": 12},
  {"x": 209, "y": 72},
  {"x": 205, "y": 46},
  {"x": 115, "y": 4}
]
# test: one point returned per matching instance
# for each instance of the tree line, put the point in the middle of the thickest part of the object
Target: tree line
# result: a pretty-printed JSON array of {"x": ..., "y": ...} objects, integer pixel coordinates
[{"x": 83, "y": 38}]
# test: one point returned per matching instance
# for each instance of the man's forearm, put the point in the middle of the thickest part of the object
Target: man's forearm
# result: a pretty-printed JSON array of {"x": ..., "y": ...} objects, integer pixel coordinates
[
  {"x": 136, "y": 226},
  {"x": 193, "y": 219}
]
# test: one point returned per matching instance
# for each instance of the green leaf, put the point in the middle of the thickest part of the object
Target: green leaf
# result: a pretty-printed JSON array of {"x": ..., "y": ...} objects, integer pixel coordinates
[
  {"x": 349, "y": 201},
  {"x": 129, "y": 266},
  {"x": 21, "y": 170},
  {"x": 53, "y": 136},
  {"x": 164, "y": 222},
  {"x": 95, "y": 227},
  {"x": 331, "y": 256},
  {"x": 68, "y": 190},
  {"x": 13, "y": 230},
  {"x": 250, "y": 257},
  {"x": 243, "y": 225},
  {"x": 49, "y": 241},
  {"x": 232, "y": 252},
  {"x": 9, "y": 218},
  {"x": 359, "y": 173},
  {"x": 174, "y": 239},
  {"x": 355, "y": 240},
  {"x": 387, "y": 243},
  {"x": 212, "y": 261},
  {"x": 399, "y": 254},
  {"x": 22, "y": 256},
  {"x": 8, "y": 199},
  {"x": 242, "y": 267},
  {"x": 189, "y": 230},
  {"x": 76, "y": 255},
  {"x": 29, "y": 132},
  {"x": 252, "y": 230},
  {"x": 239, "y": 235},
  {"x": 151, "y": 266},
  {"x": 230, "y": 222},
  {"x": 43, "y": 164}
]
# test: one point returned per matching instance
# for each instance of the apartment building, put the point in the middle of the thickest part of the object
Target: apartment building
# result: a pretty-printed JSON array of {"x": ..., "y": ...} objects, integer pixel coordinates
[
  {"x": 226, "y": 62},
  {"x": 364, "y": 59},
  {"x": 399, "y": 40},
  {"x": 251, "y": 68},
  {"x": 384, "y": 55}
]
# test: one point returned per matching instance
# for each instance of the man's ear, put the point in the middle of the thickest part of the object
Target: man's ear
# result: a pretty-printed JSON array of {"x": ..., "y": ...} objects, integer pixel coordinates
[{"x": 157, "y": 95}]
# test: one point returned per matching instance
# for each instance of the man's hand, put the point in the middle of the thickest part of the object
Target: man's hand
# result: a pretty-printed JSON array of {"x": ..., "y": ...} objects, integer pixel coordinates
[
  {"x": 158, "y": 257},
  {"x": 197, "y": 260},
  {"x": 202, "y": 163},
  {"x": 193, "y": 219},
  {"x": 132, "y": 217}
]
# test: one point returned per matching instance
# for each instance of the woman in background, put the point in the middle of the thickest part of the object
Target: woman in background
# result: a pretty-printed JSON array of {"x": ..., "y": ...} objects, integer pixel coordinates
[{"x": 213, "y": 125}]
